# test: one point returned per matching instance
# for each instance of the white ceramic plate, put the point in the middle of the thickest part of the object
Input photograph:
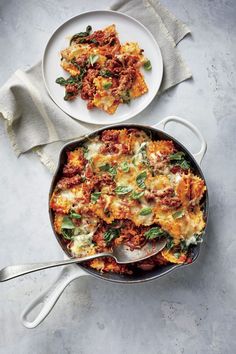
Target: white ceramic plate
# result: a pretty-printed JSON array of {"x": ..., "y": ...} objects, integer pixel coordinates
[{"x": 129, "y": 30}]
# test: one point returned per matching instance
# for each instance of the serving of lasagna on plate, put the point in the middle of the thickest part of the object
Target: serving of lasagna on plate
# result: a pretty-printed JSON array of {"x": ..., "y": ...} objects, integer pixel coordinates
[
  {"x": 103, "y": 71},
  {"x": 121, "y": 186}
]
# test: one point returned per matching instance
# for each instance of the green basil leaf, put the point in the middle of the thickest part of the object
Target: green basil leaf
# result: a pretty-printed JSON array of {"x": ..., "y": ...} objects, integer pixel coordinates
[
  {"x": 177, "y": 255},
  {"x": 75, "y": 215},
  {"x": 68, "y": 95},
  {"x": 121, "y": 190},
  {"x": 178, "y": 214},
  {"x": 107, "y": 85},
  {"x": 93, "y": 58},
  {"x": 111, "y": 234},
  {"x": 147, "y": 65},
  {"x": 124, "y": 166},
  {"x": 108, "y": 168},
  {"x": 179, "y": 159},
  {"x": 183, "y": 246},
  {"x": 178, "y": 156},
  {"x": 105, "y": 73},
  {"x": 125, "y": 96},
  {"x": 61, "y": 81},
  {"x": 185, "y": 165},
  {"x": 67, "y": 234},
  {"x": 105, "y": 167},
  {"x": 137, "y": 195},
  {"x": 145, "y": 211},
  {"x": 89, "y": 29},
  {"x": 67, "y": 223},
  {"x": 140, "y": 179},
  {"x": 112, "y": 171},
  {"x": 155, "y": 232},
  {"x": 170, "y": 243},
  {"x": 95, "y": 196}
]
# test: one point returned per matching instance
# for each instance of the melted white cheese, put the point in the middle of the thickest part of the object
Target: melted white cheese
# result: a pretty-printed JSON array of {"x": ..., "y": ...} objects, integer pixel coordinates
[{"x": 93, "y": 149}]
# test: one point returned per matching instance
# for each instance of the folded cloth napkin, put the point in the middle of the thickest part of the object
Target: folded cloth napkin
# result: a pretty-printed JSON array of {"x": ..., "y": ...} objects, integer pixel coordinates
[{"x": 34, "y": 123}]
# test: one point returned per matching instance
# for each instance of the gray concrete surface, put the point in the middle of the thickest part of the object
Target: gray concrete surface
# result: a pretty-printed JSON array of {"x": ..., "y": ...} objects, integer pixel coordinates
[{"x": 190, "y": 311}]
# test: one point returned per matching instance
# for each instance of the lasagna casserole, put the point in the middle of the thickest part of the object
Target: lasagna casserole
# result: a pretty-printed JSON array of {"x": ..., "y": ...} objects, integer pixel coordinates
[{"x": 121, "y": 186}]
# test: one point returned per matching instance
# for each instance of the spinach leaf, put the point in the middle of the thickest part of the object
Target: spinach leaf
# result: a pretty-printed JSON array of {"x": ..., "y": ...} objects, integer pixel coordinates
[
  {"x": 178, "y": 214},
  {"x": 93, "y": 58},
  {"x": 67, "y": 234},
  {"x": 140, "y": 179},
  {"x": 183, "y": 246},
  {"x": 179, "y": 159},
  {"x": 68, "y": 95},
  {"x": 81, "y": 34},
  {"x": 111, "y": 234},
  {"x": 124, "y": 166},
  {"x": 105, "y": 73},
  {"x": 75, "y": 215},
  {"x": 88, "y": 29},
  {"x": 145, "y": 211},
  {"x": 108, "y": 168},
  {"x": 125, "y": 96},
  {"x": 155, "y": 232},
  {"x": 67, "y": 223},
  {"x": 147, "y": 65},
  {"x": 178, "y": 156},
  {"x": 95, "y": 196},
  {"x": 170, "y": 242},
  {"x": 107, "y": 85},
  {"x": 105, "y": 167},
  {"x": 137, "y": 195},
  {"x": 121, "y": 190},
  {"x": 61, "y": 81}
]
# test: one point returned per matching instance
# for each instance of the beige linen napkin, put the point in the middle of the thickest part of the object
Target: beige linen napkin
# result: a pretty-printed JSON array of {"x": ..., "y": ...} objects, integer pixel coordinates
[{"x": 32, "y": 120}]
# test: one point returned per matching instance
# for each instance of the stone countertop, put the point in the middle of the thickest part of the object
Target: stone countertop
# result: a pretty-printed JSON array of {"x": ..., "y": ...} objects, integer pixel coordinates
[{"x": 188, "y": 311}]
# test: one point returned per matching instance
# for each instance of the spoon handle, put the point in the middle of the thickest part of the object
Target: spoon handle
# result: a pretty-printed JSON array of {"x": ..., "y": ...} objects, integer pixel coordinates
[{"x": 14, "y": 271}]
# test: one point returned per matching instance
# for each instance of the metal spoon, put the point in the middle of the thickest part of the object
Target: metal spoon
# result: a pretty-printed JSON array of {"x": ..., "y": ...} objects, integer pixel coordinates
[{"x": 121, "y": 254}]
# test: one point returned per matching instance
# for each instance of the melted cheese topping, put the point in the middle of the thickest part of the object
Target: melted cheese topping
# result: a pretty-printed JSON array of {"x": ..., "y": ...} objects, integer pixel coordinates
[{"x": 130, "y": 178}]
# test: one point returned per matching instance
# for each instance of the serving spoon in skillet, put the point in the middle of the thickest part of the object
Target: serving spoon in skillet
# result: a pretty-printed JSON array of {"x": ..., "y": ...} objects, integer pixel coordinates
[{"x": 122, "y": 254}]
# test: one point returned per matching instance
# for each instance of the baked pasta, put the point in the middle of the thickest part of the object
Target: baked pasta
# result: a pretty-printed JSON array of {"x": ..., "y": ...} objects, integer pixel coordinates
[
  {"x": 123, "y": 187},
  {"x": 103, "y": 71}
]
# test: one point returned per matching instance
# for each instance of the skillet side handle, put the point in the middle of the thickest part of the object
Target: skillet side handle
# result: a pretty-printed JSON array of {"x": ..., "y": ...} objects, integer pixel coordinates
[
  {"x": 49, "y": 297},
  {"x": 200, "y": 154}
]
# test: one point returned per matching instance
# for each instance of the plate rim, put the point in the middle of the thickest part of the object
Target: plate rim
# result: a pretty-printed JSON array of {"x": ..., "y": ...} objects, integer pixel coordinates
[{"x": 102, "y": 11}]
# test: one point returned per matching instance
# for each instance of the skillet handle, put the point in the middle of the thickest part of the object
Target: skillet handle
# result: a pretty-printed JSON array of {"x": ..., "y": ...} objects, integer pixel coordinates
[
  {"x": 49, "y": 297},
  {"x": 200, "y": 154}
]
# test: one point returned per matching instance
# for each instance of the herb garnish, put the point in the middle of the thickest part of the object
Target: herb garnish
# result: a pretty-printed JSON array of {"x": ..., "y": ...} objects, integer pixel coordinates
[
  {"x": 95, "y": 196},
  {"x": 108, "y": 168},
  {"x": 145, "y": 211},
  {"x": 93, "y": 58},
  {"x": 121, "y": 190},
  {"x": 137, "y": 195},
  {"x": 178, "y": 214},
  {"x": 124, "y": 166},
  {"x": 179, "y": 159},
  {"x": 140, "y": 179},
  {"x": 147, "y": 65},
  {"x": 107, "y": 85},
  {"x": 81, "y": 34},
  {"x": 67, "y": 228},
  {"x": 105, "y": 73},
  {"x": 75, "y": 215},
  {"x": 125, "y": 96},
  {"x": 155, "y": 232},
  {"x": 111, "y": 234}
]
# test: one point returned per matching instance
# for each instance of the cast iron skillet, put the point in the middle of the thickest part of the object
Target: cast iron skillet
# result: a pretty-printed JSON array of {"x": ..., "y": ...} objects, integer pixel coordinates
[
  {"x": 49, "y": 297},
  {"x": 139, "y": 276}
]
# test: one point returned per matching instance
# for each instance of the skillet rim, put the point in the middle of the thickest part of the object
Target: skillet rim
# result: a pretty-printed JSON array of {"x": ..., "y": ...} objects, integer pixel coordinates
[{"x": 160, "y": 271}]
